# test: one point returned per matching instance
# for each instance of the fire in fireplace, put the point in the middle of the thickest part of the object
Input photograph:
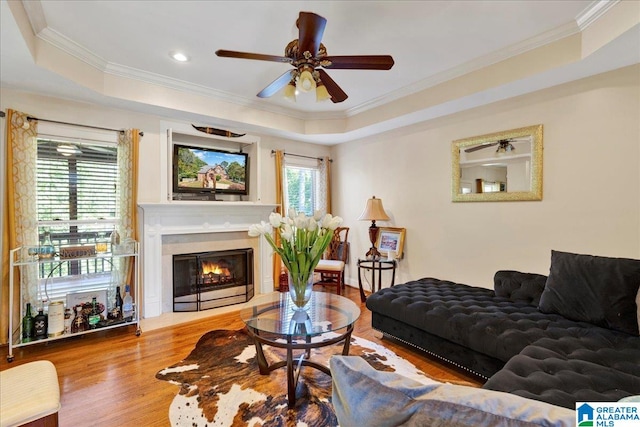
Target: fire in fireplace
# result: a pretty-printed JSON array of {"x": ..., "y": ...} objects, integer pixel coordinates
[{"x": 208, "y": 280}]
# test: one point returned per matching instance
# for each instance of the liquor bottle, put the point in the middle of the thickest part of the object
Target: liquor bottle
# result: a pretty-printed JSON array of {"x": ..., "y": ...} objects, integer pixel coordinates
[
  {"x": 101, "y": 243},
  {"x": 118, "y": 304},
  {"x": 79, "y": 323},
  {"x": 94, "y": 316},
  {"x": 127, "y": 305},
  {"x": 40, "y": 324},
  {"x": 47, "y": 250},
  {"x": 115, "y": 241},
  {"x": 27, "y": 325},
  {"x": 67, "y": 320}
]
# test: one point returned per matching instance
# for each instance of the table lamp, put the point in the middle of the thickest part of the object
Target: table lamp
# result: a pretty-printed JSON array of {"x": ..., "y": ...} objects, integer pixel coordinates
[{"x": 373, "y": 211}]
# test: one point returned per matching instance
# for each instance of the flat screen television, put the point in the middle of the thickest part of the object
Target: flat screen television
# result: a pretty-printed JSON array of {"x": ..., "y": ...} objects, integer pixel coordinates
[{"x": 204, "y": 170}]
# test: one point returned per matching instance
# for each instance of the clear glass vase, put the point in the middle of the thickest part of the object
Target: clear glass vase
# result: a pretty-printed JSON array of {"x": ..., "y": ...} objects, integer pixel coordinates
[{"x": 300, "y": 289}]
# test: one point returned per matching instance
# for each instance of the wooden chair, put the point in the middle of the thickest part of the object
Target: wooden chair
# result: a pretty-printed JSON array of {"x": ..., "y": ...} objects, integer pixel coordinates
[{"x": 331, "y": 267}]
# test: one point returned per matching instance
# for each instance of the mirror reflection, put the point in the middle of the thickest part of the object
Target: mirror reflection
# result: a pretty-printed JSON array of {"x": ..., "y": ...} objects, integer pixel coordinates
[{"x": 500, "y": 166}]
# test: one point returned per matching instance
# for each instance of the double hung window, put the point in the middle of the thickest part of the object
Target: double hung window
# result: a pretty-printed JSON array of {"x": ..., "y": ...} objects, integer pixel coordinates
[
  {"x": 303, "y": 185},
  {"x": 77, "y": 205}
]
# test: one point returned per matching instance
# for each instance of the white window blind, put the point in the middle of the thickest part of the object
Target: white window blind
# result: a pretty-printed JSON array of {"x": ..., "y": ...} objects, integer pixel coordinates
[
  {"x": 301, "y": 182},
  {"x": 76, "y": 181}
]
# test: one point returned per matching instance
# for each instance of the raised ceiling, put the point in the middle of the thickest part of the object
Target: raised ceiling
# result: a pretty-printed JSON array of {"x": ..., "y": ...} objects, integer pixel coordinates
[{"x": 116, "y": 53}]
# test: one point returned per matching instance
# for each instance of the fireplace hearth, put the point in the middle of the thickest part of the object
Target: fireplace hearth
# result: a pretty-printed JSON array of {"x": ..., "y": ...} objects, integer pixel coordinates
[{"x": 207, "y": 280}]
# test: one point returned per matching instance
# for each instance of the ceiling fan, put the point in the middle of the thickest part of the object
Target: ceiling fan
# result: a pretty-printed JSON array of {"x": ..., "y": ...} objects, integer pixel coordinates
[
  {"x": 309, "y": 56},
  {"x": 504, "y": 145}
]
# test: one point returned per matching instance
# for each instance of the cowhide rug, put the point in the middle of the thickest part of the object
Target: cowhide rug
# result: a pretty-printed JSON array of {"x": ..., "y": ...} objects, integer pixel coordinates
[{"x": 220, "y": 384}]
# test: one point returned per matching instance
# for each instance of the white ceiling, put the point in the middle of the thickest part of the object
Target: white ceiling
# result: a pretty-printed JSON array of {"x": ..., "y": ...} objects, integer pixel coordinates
[{"x": 430, "y": 41}]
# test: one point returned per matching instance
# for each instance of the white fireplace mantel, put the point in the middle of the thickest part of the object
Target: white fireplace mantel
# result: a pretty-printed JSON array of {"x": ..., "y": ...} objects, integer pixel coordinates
[{"x": 180, "y": 218}]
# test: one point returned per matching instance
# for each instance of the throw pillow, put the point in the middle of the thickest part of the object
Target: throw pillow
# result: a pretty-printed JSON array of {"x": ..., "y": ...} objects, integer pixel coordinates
[
  {"x": 363, "y": 396},
  {"x": 593, "y": 289}
]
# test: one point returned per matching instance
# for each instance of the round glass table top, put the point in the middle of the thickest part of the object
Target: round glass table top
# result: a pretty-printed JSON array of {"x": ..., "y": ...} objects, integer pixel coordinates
[{"x": 276, "y": 313}]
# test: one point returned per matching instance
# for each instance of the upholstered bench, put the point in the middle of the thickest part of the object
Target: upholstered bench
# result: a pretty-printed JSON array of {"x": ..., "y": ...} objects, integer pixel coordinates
[{"x": 29, "y": 395}]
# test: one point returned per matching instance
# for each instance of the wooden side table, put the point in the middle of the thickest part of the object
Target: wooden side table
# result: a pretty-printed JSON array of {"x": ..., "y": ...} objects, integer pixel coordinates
[{"x": 378, "y": 265}]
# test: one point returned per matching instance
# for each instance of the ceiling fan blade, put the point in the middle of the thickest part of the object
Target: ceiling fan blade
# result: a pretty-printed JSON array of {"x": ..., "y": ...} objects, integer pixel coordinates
[
  {"x": 247, "y": 55},
  {"x": 337, "y": 94},
  {"x": 480, "y": 147},
  {"x": 360, "y": 62},
  {"x": 310, "y": 31},
  {"x": 276, "y": 85}
]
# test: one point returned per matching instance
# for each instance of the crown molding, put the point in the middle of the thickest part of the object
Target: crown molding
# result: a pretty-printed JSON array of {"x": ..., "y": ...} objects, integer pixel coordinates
[
  {"x": 74, "y": 49},
  {"x": 38, "y": 22},
  {"x": 83, "y": 54},
  {"x": 516, "y": 49},
  {"x": 35, "y": 14},
  {"x": 594, "y": 12}
]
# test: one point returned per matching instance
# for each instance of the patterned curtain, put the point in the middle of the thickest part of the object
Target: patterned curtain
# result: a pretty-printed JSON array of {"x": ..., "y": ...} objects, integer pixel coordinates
[
  {"x": 128, "y": 155},
  {"x": 277, "y": 262},
  {"x": 19, "y": 226},
  {"x": 325, "y": 185}
]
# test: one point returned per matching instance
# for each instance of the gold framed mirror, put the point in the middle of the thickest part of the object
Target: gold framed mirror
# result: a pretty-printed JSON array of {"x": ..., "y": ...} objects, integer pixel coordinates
[{"x": 501, "y": 166}]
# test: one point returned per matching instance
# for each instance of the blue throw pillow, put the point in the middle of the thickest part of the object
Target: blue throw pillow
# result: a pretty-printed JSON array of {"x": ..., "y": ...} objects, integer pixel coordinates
[{"x": 593, "y": 289}]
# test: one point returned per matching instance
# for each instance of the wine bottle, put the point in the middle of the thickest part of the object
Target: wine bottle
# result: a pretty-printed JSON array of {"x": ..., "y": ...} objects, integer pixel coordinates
[
  {"x": 127, "y": 305},
  {"x": 27, "y": 325},
  {"x": 40, "y": 324},
  {"x": 94, "y": 316},
  {"x": 118, "y": 304},
  {"x": 79, "y": 323}
]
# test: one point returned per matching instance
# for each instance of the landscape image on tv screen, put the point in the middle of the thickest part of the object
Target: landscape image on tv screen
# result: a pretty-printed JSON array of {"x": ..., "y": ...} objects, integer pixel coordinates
[{"x": 212, "y": 170}]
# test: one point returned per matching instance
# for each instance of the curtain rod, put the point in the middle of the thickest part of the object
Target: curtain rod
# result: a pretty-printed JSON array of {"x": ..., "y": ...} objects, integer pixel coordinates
[
  {"x": 300, "y": 155},
  {"x": 29, "y": 118}
]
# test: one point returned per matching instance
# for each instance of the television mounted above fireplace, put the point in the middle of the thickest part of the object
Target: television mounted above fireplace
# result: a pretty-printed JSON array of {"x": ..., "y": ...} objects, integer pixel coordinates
[{"x": 206, "y": 171}]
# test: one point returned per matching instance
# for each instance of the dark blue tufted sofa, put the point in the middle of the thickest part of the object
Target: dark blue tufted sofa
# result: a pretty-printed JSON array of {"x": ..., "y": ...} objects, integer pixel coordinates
[{"x": 501, "y": 336}]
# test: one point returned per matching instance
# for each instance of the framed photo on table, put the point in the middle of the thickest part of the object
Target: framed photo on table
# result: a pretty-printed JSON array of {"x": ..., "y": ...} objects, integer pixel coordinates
[{"x": 391, "y": 239}]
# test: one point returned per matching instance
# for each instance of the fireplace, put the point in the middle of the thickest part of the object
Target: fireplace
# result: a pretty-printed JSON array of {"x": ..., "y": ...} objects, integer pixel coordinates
[{"x": 206, "y": 280}]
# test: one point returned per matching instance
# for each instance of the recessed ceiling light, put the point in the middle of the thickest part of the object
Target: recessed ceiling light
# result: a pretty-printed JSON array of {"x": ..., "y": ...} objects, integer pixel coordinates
[{"x": 179, "y": 56}]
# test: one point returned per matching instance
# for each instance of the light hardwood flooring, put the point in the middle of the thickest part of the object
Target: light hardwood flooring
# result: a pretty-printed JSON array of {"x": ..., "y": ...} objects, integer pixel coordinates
[{"x": 108, "y": 378}]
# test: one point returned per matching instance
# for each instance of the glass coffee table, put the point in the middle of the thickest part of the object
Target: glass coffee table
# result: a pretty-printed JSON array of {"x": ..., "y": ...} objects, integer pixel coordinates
[{"x": 274, "y": 320}]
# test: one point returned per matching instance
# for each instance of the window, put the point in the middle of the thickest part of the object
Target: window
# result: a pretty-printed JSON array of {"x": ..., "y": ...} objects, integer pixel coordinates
[
  {"x": 301, "y": 189},
  {"x": 77, "y": 203}
]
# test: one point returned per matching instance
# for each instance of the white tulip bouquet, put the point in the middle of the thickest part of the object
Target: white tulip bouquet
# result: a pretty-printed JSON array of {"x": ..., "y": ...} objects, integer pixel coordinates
[{"x": 303, "y": 240}]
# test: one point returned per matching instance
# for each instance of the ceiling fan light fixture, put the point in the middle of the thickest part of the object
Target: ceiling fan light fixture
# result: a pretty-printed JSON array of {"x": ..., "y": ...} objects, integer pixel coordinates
[
  {"x": 321, "y": 93},
  {"x": 290, "y": 92},
  {"x": 306, "y": 82}
]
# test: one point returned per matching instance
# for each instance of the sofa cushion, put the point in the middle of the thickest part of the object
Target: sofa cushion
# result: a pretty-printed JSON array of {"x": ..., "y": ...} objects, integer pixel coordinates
[
  {"x": 593, "y": 289},
  {"x": 519, "y": 287},
  {"x": 363, "y": 396},
  {"x": 585, "y": 366}
]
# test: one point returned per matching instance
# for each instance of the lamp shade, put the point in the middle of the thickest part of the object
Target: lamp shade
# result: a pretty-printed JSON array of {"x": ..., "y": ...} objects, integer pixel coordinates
[
  {"x": 321, "y": 93},
  {"x": 306, "y": 81},
  {"x": 374, "y": 211},
  {"x": 290, "y": 92}
]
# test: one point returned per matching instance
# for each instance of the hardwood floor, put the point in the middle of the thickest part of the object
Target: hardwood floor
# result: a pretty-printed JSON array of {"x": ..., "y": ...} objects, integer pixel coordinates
[{"x": 108, "y": 378}]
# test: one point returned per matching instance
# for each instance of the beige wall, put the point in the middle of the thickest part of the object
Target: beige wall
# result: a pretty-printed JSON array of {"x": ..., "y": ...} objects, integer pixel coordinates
[
  {"x": 591, "y": 198},
  {"x": 150, "y": 163},
  {"x": 591, "y": 201}
]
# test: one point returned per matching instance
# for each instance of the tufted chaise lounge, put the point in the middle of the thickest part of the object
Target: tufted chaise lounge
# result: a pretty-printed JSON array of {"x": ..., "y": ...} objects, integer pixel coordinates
[{"x": 501, "y": 335}]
